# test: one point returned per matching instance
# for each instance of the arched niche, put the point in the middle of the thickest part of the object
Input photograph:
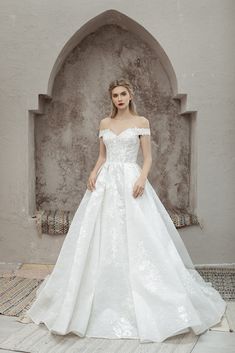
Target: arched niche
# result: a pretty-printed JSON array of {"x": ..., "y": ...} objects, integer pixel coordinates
[{"x": 66, "y": 124}]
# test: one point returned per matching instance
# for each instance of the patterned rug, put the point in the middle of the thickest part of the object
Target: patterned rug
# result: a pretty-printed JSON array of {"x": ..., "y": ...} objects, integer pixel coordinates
[
  {"x": 57, "y": 222},
  {"x": 222, "y": 279},
  {"x": 18, "y": 293}
]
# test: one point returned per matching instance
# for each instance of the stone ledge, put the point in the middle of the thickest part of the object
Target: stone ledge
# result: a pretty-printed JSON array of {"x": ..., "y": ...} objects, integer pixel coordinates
[{"x": 57, "y": 222}]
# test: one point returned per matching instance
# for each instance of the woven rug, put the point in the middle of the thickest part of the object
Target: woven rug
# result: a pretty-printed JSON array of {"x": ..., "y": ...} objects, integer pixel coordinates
[
  {"x": 222, "y": 279},
  {"x": 17, "y": 294},
  {"x": 55, "y": 222},
  {"x": 37, "y": 339}
]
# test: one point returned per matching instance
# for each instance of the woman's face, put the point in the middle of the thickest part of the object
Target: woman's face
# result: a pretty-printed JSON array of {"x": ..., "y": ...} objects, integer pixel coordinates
[{"x": 121, "y": 97}]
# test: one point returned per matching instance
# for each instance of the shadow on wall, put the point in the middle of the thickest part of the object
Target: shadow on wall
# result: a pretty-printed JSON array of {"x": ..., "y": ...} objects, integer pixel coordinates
[{"x": 66, "y": 124}]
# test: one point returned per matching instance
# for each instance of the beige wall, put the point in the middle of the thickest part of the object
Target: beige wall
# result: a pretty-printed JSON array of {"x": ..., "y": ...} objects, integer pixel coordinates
[{"x": 197, "y": 37}]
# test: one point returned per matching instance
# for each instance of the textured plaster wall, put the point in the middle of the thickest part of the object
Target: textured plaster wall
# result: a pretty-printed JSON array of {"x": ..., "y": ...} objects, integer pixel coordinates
[
  {"x": 66, "y": 134},
  {"x": 198, "y": 39}
]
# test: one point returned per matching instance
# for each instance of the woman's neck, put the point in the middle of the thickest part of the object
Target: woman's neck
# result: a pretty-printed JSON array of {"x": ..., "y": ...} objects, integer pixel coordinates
[{"x": 124, "y": 115}]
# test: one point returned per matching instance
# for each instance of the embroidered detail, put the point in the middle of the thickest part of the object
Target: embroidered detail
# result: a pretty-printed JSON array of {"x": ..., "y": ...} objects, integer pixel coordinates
[{"x": 138, "y": 131}]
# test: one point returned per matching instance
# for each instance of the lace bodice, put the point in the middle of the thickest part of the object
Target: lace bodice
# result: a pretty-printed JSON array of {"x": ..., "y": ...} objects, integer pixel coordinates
[{"x": 123, "y": 147}]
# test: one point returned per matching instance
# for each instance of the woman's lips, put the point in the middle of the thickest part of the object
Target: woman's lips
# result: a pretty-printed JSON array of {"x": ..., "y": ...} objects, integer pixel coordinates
[{"x": 120, "y": 103}]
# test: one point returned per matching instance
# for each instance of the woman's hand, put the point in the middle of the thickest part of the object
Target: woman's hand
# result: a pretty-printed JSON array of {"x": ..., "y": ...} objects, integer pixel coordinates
[
  {"x": 139, "y": 185},
  {"x": 91, "y": 181}
]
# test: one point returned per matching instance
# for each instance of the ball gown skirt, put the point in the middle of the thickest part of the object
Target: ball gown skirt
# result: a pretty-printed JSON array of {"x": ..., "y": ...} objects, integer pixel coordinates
[{"x": 123, "y": 270}]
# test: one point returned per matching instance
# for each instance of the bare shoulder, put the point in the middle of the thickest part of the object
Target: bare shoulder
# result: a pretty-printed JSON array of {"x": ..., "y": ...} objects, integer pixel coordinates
[
  {"x": 104, "y": 123},
  {"x": 143, "y": 122}
]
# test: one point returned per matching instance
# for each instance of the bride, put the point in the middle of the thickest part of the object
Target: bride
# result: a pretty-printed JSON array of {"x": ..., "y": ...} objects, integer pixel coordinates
[{"x": 123, "y": 270}]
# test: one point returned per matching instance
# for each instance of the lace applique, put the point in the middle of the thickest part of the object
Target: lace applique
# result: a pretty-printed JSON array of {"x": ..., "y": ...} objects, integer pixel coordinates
[
  {"x": 137, "y": 130},
  {"x": 143, "y": 131}
]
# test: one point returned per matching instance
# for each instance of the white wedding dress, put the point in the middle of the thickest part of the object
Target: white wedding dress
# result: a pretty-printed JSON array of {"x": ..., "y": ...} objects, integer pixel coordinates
[{"x": 123, "y": 270}]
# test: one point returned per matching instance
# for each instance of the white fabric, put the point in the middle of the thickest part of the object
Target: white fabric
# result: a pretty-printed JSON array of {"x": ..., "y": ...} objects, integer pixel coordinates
[{"x": 123, "y": 270}]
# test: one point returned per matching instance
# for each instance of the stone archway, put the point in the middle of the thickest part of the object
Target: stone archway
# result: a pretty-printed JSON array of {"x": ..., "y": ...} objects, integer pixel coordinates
[{"x": 109, "y": 46}]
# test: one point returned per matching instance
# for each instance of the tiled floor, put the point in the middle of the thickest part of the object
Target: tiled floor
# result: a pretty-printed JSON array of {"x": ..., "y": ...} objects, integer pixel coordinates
[
  {"x": 26, "y": 270},
  {"x": 210, "y": 342}
]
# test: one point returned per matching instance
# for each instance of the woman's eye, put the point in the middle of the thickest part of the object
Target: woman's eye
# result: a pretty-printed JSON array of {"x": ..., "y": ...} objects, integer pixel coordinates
[{"x": 123, "y": 93}]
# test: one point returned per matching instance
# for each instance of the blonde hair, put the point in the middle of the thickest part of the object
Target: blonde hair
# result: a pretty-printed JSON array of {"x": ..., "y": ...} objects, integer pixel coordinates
[{"x": 125, "y": 83}]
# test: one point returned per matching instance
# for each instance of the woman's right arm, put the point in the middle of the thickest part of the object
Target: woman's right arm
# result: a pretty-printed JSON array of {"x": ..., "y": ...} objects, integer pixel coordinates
[{"x": 101, "y": 159}]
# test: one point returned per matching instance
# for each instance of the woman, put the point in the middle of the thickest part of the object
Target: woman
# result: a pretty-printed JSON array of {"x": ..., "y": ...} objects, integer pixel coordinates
[{"x": 123, "y": 270}]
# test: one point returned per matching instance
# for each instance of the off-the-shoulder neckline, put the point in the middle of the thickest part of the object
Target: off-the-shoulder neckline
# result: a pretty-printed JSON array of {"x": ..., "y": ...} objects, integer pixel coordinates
[{"x": 129, "y": 128}]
